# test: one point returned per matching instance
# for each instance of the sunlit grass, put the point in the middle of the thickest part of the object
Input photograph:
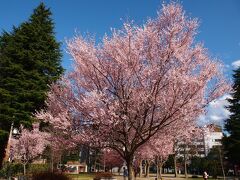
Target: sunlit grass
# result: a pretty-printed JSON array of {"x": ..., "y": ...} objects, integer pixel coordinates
[{"x": 82, "y": 176}]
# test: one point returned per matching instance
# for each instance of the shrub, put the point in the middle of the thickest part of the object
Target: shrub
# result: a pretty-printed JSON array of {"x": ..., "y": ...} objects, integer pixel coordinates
[
  {"x": 37, "y": 168},
  {"x": 194, "y": 176},
  {"x": 105, "y": 175},
  {"x": 3, "y": 144},
  {"x": 49, "y": 176},
  {"x": 11, "y": 169}
]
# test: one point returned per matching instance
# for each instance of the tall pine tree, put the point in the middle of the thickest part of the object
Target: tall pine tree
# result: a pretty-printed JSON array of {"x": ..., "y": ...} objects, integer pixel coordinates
[
  {"x": 30, "y": 60},
  {"x": 232, "y": 125}
]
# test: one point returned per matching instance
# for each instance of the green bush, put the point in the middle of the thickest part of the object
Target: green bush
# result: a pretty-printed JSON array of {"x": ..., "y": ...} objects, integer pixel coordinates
[
  {"x": 15, "y": 169},
  {"x": 3, "y": 173},
  {"x": 3, "y": 144},
  {"x": 11, "y": 169},
  {"x": 36, "y": 168}
]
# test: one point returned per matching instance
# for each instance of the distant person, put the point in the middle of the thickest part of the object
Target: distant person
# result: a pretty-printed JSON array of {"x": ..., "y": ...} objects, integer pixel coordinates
[
  {"x": 136, "y": 171},
  {"x": 125, "y": 173},
  {"x": 205, "y": 175}
]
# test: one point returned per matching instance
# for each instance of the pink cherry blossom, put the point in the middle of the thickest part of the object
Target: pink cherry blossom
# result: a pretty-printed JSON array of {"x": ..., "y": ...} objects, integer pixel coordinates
[
  {"x": 111, "y": 158},
  {"x": 29, "y": 145},
  {"x": 139, "y": 82}
]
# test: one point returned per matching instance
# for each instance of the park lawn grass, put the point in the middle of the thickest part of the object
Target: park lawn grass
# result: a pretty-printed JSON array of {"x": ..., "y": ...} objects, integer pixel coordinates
[
  {"x": 82, "y": 176},
  {"x": 90, "y": 176}
]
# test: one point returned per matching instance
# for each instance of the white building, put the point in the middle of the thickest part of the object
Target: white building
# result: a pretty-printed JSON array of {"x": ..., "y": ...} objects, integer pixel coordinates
[
  {"x": 201, "y": 146},
  {"x": 212, "y": 137}
]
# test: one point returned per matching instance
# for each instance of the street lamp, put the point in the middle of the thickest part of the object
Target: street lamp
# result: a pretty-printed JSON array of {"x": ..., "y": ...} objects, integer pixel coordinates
[
  {"x": 7, "y": 150},
  {"x": 15, "y": 133}
]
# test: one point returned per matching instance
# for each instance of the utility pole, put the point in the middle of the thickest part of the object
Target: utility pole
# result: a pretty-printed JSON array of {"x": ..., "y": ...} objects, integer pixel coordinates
[
  {"x": 221, "y": 161},
  {"x": 7, "y": 150}
]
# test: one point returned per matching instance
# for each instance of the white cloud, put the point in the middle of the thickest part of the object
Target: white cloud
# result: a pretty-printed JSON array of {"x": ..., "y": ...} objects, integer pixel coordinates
[
  {"x": 215, "y": 118},
  {"x": 216, "y": 112},
  {"x": 227, "y": 66},
  {"x": 236, "y": 63}
]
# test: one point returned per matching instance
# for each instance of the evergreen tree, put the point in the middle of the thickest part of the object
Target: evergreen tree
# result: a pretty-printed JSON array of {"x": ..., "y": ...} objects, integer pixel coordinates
[
  {"x": 232, "y": 142},
  {"x": 3, "y": 140},
  {"x": 30, "y": 60}
]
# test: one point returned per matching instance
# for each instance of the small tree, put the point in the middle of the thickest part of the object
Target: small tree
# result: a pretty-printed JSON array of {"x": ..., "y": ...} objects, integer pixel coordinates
[
  {"x": 110, "y": 159},
  {"x": 30, "y": 145},
  {"x": 182, "y": 139},
  {"x": 214, "y": 162},
  {"x": 59, "y": 143},
  {"x": 139, "y": 82},
  {"x": 157, "y": 150}
]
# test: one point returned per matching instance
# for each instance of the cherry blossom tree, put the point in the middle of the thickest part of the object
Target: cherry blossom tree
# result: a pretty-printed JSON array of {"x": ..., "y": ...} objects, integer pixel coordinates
[
  {"x": 111, "y": 158},
  {"x": 156, "y": 150},
  {"x": 140, "y": 81},
  {"x": 162, "y": 150},
  {"x": 183, "y": 141},
  {"x": 59, "y": 143},
  {"x": 30, "y": 145}
]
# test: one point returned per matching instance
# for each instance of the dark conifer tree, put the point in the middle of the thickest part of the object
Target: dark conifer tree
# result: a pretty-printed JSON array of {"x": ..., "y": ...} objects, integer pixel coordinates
[
  {"x": 30, "y": 60},
  {"x": 232, "y": 125}
]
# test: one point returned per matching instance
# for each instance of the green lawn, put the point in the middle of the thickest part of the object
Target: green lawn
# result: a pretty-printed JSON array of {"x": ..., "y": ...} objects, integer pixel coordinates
[{"x": 82, "y": 176}]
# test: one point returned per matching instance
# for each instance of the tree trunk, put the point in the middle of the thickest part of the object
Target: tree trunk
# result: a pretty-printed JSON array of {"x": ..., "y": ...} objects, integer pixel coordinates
[
  {"x": 140, "y": 169},
  {"x": 185, "y": 168},
  {"x": 159, "y": 168},
  {"x": 25, "y": 161},
  {"x": 157, "y": 165},
  {"x": 129, "y": 161},
  {"x": 147, "y": 169},
  {"x": 221, "y": 161},
  {"x": 130, "y": 171},
  {"x": 175, "y": 164},
  {"x": 185, "y": 161},
  {"x": 24, "y": 168},
  {"x": 52, "y": 162},
  {"x": 104, "y": 169}
]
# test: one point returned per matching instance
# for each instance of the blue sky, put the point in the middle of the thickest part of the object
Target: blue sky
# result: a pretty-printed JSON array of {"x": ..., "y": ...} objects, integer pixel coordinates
[{"x": 219, "y": 28}]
